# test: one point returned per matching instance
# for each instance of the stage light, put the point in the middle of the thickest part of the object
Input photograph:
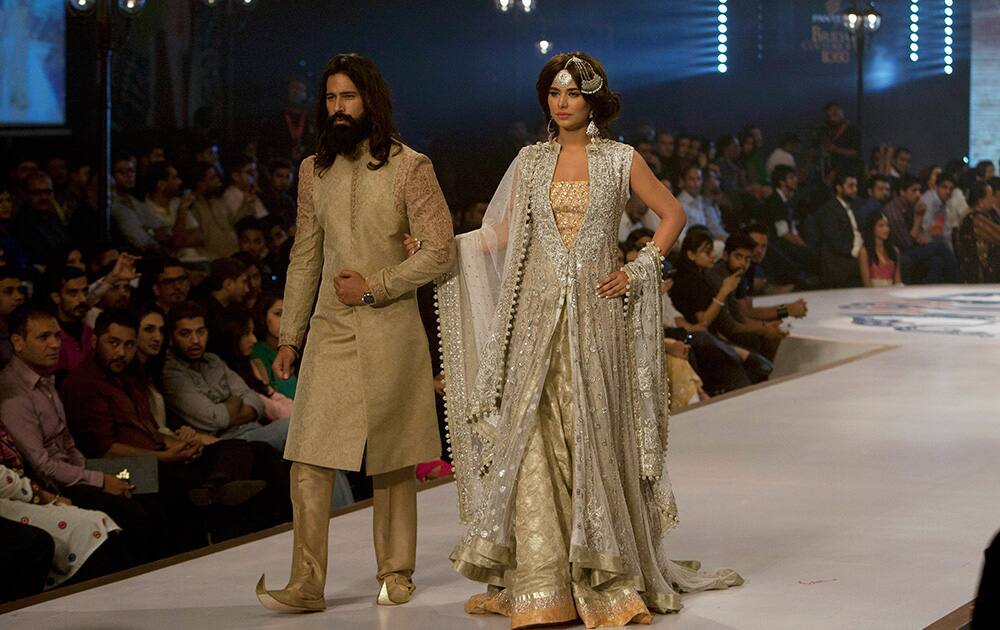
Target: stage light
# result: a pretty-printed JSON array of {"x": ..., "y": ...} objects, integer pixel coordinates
[
  {"x": 504, "y": 5},
  {"x": 948, "y": 41},
  {"x": 722, "y": 9},
  {"x": 544, "y": 46},
  {"x": 81, "y": 6},
  {"x": 247, "y": 3},
  {"x": 212, "y": 3},
  {"x": 527, "y": 5},
  {"x": 914, "y": 47},
  {"x": 914, "y": 56},
  {"x": 914, "y": 30},
  {"x": 914, "y": 37},
  {"x": 131, "y": 7}
]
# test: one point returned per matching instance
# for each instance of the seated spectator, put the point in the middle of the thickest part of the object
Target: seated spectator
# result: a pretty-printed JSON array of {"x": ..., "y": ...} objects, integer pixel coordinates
[
  {"x": 250, "y": 237},
  {"x": 979, "y": 236},
  {"x": 163, "y": 196},
  {"x": 878, "y": 261},
  {"x": 267, "y": 321},
  {"x": 33, "y": 414},
  {"x": 85, "y": 543},
  {"x": 139, "y": 226},
  {"x": 270, "y": 507},
  {"x": 210, "y": 211},
  {"x": 699, "y": 211},
  {"x": 201, "y": 390},
  {"x": 256, "y": 272},
  {"x": 225, "y": 286},
  {"x": 922, "y": 261},
  {"x": 792, "y": 261},
  {"x": 879, "y": 192},
  {"x": 235, "y": 341},
  {"x": 68, "y": 294},
  {"x": 40, "y": 230},
  {"x": 11, "y": 297},
  {"x": 702, "y": 302},
  {"x": 839, "y": 237},
  {"x": 278, "y": 191},
  {"x": 171, "y": 283},
  {"x": 931, "y": 210},
  {"x": 760, "y": 281},
  {"x": 14, "y": 253},
  {"x": 276, "y": 259},
  {"x": 109, "y": 414},
  {"x": 636, "y": 216},
  {"x": 784, "y": 154},
  {"x": 31, "y": 550},
  {"x": 757, "y": 329},
  {"x": 240, "y": 196}
]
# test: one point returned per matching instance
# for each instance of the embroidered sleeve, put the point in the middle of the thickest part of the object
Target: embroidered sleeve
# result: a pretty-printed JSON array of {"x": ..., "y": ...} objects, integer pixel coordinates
[{"x": 430, "y": 222}]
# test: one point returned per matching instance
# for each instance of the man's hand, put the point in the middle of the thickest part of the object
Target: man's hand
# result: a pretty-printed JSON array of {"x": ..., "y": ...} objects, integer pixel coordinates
[
  {"x": 115, "y": 486},
  {"x": 350, "y": 286},
  {"x": 124, "y": 269},
  {"x": 439, "y": 384},
  {"x": 797, "y": 309},
  {"x": 282, "y": 364},
  {"x": 731, "y": 283},
  {"x": 179, "y": 451}
]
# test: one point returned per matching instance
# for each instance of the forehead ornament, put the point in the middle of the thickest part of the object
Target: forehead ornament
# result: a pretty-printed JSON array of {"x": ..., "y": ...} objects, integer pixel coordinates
[{"x": 590, "y": 81}]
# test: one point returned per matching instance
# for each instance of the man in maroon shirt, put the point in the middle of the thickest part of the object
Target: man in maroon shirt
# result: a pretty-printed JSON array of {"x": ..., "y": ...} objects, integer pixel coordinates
[{"x": 109, "y": 414}]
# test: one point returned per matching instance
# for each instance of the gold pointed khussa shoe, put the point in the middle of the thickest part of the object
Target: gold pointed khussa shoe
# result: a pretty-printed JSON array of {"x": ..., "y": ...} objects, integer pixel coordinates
[
  {"x": 286, "y": 601},
  {"x": 396, "y": 589}
]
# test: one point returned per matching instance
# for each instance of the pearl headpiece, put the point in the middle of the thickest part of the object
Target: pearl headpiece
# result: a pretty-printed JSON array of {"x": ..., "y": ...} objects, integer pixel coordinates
[{"x": 590, "y": 81}]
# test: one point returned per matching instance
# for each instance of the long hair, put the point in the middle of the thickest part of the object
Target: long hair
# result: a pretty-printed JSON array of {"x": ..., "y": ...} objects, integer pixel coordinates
[
  {"x": 233, "y": 323},
  {"x": 377, "y": 101},
  {"x": 868, "y": 237}
]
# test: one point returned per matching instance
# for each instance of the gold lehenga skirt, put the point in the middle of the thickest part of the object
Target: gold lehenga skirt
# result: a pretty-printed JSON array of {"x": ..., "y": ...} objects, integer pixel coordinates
[{"x": 541, "y": 589}]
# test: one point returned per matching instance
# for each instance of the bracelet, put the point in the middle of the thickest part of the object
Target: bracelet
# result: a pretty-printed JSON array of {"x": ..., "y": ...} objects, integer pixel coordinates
[
  {"x": 782, "y": 311},
  {"x": 716, "y": 300}
]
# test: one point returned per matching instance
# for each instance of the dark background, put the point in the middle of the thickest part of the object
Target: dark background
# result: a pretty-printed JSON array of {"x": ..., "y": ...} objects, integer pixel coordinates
[{"x": 461, "y": 70}]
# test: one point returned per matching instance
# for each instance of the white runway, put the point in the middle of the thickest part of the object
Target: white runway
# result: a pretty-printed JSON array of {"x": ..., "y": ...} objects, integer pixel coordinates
[{"x": 860, "y": 496}]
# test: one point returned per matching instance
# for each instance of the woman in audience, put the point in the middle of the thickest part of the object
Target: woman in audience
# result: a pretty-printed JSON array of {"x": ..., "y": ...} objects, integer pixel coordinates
[
  {"x": 86, "y": 544},
  {"x": 878, "y": 258},
  {"x": 267, "y": 320},
  {"x": 234, "y": 343}
]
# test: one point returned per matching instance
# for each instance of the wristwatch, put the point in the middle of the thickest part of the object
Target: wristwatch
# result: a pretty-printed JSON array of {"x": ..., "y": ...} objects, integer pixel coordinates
[{"x": 368, "y": 298}]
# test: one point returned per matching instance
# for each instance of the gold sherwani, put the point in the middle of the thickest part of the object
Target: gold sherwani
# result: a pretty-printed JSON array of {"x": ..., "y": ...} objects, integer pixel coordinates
[{"x": 366, "y": 377}]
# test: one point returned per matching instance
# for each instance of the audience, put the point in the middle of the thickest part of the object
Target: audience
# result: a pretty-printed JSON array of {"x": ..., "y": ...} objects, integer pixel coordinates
[
  {"x": 699, "y": 210},
  {"x": 201, "y": 390},
  {"x": 267, "y": 322},
  {"x": 32, "y": 412},
  {"x": 923, "y": 260}
]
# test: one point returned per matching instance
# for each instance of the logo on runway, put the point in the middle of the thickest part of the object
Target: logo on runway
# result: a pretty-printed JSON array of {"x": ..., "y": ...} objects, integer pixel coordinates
[{"x": 968, "y": 313}]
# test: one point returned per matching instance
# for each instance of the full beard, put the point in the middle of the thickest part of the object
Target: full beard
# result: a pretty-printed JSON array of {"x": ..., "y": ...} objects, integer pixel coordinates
[{"x": 343, "y": 139}]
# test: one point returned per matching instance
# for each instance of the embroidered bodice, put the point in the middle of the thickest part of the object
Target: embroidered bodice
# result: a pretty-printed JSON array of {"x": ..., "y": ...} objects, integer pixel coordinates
[{"x": 569, "y": 201}]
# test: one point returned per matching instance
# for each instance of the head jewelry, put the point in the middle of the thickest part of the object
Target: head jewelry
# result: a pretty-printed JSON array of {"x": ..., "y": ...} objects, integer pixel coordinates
[{"x": 590, "y": 81}]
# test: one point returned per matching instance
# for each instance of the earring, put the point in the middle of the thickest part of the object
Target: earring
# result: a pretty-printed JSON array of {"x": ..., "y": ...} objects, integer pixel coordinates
[
  {"x": 548, "y": 127},
  {"x": 592, "y": 129}
]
